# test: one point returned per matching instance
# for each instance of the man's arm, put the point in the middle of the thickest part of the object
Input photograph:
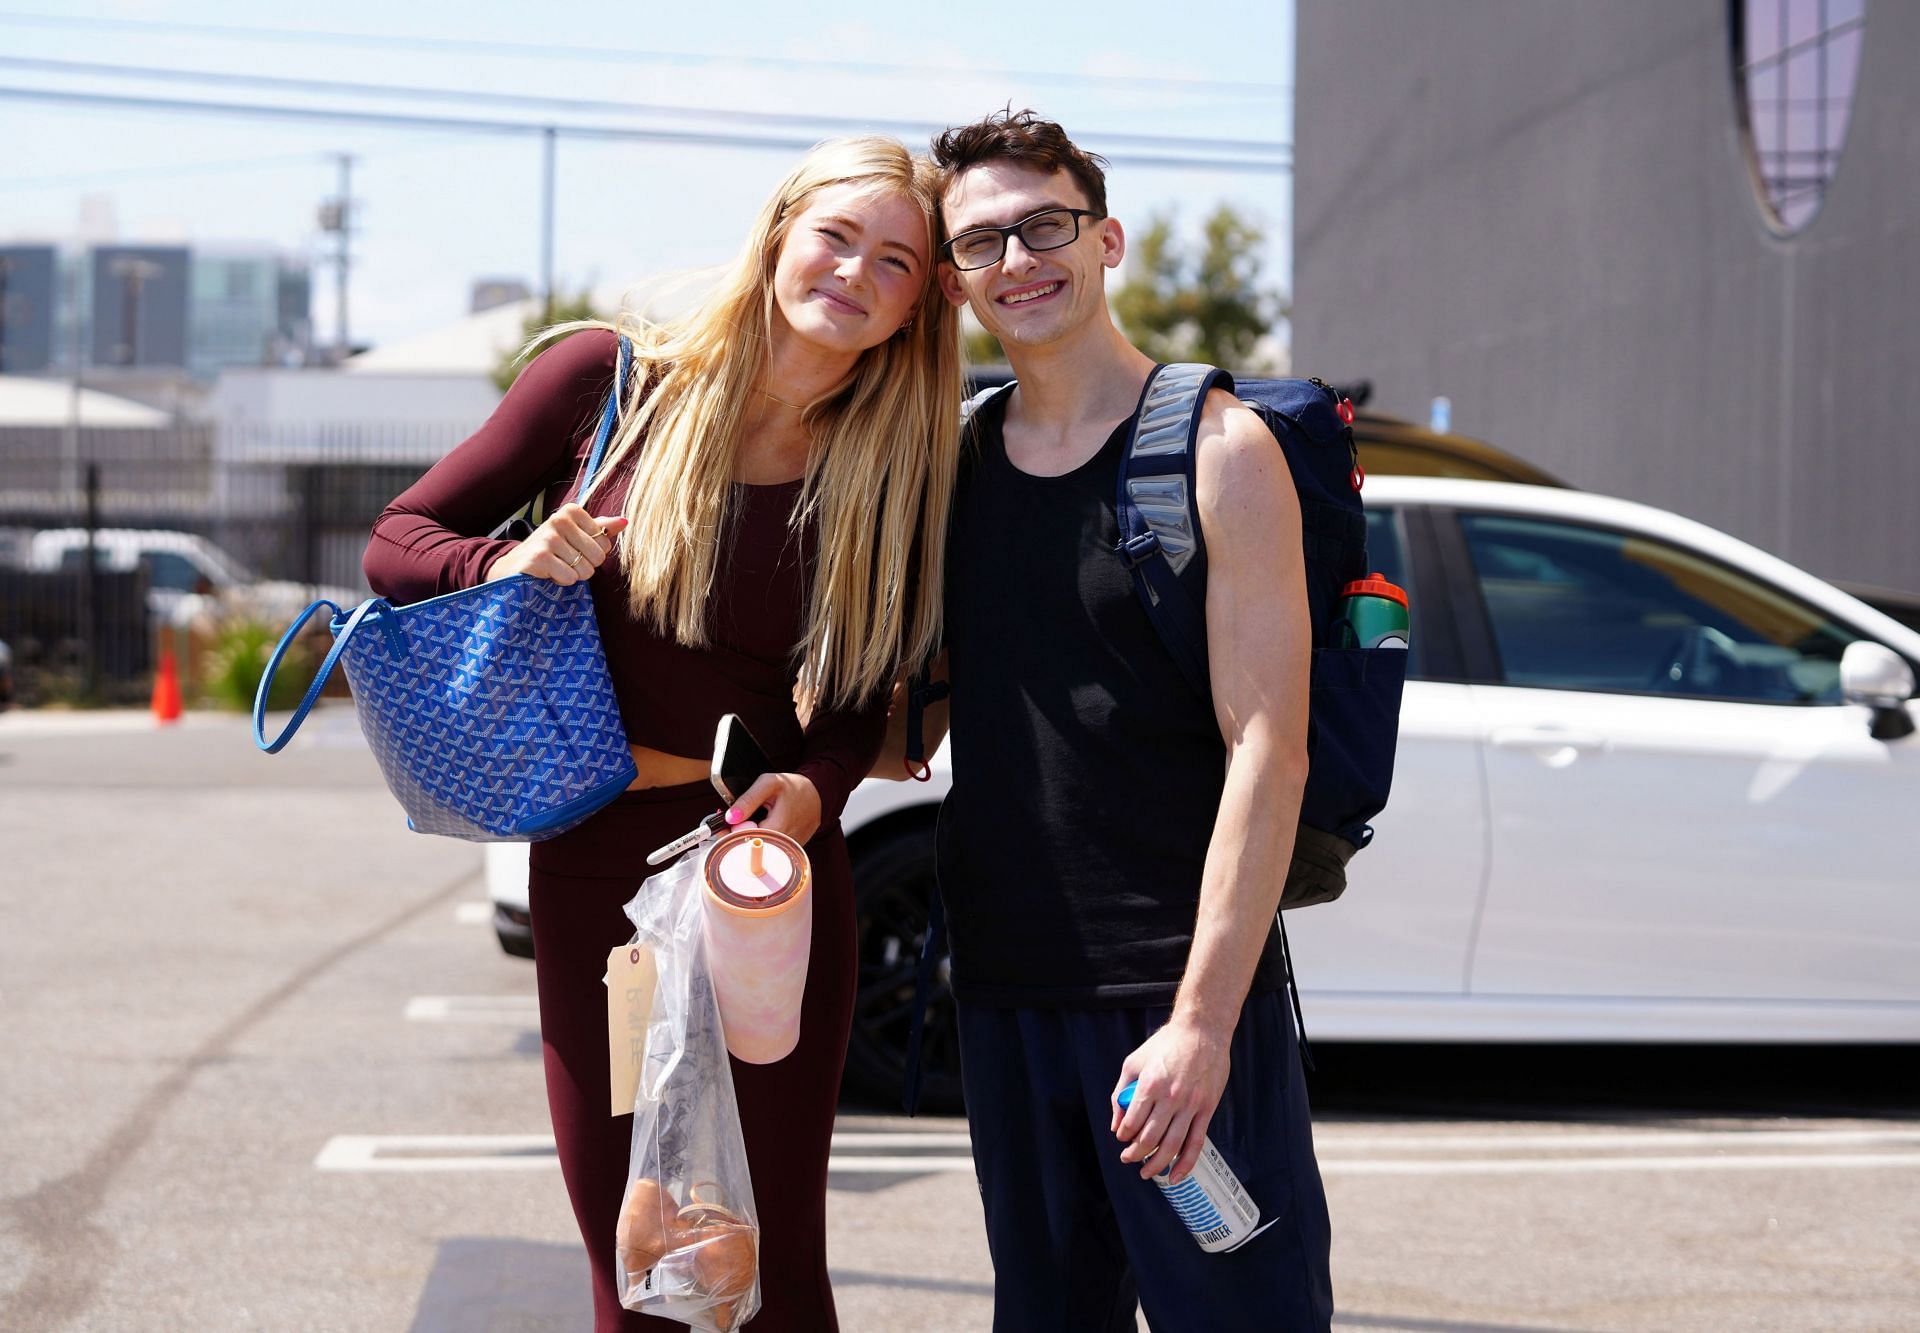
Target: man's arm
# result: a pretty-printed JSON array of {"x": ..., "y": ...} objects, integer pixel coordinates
[{"x": 1259, "y": 644}]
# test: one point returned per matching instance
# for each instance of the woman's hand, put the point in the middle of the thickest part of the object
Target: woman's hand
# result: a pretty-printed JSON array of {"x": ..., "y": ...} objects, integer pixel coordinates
[
  {"x": 567, "y": 548},
  {"x": 793, "y": 805}
]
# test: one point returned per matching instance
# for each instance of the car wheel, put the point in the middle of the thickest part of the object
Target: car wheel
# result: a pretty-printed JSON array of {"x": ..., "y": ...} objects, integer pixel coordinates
[{"x": 892, "y": 887}]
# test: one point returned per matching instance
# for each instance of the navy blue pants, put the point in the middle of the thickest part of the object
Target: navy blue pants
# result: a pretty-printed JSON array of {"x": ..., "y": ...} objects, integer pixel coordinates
[{"x": 1078, "y": 1238}]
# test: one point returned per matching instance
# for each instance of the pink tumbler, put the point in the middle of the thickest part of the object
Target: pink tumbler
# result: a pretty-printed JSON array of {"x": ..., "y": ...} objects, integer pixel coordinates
[{"x": 759, "y": 921}]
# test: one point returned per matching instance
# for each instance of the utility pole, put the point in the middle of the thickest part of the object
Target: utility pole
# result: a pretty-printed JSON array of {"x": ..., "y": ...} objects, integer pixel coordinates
[
  {"x": 70, "y": 443},
  {"x": 336, "y": 216},
  {"x": 548, "y": 137},
  {"x": 6, "y": 267}
]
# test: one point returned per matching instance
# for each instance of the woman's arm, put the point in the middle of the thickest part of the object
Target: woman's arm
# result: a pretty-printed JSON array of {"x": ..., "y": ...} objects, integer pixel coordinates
[{"x": 431, "y": 539}]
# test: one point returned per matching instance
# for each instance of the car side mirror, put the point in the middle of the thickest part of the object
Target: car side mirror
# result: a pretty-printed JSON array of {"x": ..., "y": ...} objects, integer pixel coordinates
[{"x": 1876, "y": 677}]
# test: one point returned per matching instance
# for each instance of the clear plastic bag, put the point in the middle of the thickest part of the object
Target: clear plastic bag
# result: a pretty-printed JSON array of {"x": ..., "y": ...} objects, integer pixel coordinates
[{"x": 688, "y": 1242}]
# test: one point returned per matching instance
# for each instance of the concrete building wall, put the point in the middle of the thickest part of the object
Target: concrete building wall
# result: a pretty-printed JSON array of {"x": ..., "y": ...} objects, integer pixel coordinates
[{"x": 1544, "y": 210}]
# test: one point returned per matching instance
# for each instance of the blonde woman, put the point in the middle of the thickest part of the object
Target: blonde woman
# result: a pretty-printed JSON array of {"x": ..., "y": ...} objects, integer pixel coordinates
[{"x": 769, "y": 524}]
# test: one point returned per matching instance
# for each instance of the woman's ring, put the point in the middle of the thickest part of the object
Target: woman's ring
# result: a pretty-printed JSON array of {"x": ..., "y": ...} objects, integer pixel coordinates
[{"x": 575, "y": 562}]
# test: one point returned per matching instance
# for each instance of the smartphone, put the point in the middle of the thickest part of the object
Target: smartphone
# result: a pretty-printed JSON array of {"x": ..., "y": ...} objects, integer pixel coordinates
[{"x": 738, "y": 760}]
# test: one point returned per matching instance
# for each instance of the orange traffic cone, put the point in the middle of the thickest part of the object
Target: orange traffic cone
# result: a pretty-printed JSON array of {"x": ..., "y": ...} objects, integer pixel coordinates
[{"x": 166, "y": 688}]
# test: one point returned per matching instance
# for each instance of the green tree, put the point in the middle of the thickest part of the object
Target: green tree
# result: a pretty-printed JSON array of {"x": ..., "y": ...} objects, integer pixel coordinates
[
  {"x": 981, "y": 347},
  {"x": 1177, "y": 305},
  {"x": 565, "y": 308}
]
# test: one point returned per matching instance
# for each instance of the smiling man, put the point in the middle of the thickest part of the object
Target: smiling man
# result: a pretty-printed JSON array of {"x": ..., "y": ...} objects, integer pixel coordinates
[{"x": 1112, "y": 854}]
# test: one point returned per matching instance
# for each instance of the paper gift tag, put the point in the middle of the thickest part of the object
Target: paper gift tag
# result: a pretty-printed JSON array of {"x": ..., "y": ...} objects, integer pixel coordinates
[{"x": 630, "y": 977}]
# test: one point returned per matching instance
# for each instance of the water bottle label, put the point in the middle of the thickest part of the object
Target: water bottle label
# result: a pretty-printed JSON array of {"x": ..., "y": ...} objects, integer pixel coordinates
[{"x": 1211, "y": 1203}]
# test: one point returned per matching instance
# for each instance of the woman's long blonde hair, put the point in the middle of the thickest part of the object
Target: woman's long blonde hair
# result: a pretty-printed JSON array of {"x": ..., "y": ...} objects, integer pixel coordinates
[{"x": 880, "y": 475}]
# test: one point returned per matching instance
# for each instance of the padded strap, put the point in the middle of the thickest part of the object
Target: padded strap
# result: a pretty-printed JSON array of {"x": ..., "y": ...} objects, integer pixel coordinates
[
  {"x": 305, "y": 705},
  {"x": 1160, "y": 459},
  {"x": 971, "y": 405}
]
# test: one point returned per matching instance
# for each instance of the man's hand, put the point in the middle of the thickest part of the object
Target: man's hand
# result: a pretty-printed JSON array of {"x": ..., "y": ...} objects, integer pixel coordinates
[
  {"x": 793, "y": 806},
  {"x": 1182, "y": 1070}
]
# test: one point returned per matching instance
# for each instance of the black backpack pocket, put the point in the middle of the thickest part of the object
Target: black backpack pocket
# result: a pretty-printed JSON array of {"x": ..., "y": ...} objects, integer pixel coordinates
[{"x": 1354, "y": 723}]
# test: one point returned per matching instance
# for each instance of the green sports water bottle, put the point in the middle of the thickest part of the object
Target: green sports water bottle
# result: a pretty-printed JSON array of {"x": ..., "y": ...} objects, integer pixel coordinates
[{"x": 1372, "y": 613}]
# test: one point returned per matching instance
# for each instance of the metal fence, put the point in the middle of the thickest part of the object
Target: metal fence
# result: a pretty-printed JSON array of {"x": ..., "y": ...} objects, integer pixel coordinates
[{"x": 224, "y": 514}]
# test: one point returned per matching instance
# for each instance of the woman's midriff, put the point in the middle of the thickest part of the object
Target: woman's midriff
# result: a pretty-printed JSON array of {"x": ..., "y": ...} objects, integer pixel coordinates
[{"x": 660, "y": 769}]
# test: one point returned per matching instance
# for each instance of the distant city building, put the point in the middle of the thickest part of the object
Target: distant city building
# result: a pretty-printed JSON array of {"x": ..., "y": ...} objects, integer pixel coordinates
[
  {"x": 138, "y": 312},
  {"x": 26, "y": 308},
  {"x": 248, "y": 308},
  {"x": 178, "y": 309},
  {"x": 491, "y": 292}
]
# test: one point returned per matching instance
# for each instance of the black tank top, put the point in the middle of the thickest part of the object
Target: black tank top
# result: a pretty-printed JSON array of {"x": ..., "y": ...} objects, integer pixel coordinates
[{"x": 1087, "y": 773}]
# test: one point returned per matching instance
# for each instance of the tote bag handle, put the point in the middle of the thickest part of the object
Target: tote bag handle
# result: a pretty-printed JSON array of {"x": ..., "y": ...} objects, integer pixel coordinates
[
  {"x": 354, "y": 621},
  {"x": 608, "y": 417}
]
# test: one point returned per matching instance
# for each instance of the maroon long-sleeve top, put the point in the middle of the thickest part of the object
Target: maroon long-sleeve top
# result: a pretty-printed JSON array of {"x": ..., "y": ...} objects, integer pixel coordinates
[{"x": 671, "y": 696}]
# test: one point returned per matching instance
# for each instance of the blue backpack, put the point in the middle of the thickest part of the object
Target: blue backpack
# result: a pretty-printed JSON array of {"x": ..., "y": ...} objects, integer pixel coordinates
[{"x": 1354, "y": 697}]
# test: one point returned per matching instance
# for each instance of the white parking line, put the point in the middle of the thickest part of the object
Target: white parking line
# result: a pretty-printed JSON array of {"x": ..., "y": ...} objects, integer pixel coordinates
[
  {"x": 437, "y": 1152},
  {"x": 535, "y": 1152},
  {"x": 523, "y": 1009},
  {"x": 529, "y": 1152},
  {"x": 1334, "y": 1138},
  {"x": 881, "y": 1139},
  {"x": 896, "y": 1166},
  {"x": 1466, "y": 1166}
]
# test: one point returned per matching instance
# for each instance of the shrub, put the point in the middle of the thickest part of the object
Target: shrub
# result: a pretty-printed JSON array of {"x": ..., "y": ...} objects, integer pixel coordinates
[{"x": 237, "y": 658}]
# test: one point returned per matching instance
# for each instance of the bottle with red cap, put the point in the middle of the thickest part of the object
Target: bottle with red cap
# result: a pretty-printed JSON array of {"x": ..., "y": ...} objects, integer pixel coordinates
[{"x": 1372, "y": 613}]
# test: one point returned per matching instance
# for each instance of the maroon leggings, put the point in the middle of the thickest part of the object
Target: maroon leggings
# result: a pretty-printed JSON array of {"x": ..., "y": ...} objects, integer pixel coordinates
[{"x": 581, "y": 882}]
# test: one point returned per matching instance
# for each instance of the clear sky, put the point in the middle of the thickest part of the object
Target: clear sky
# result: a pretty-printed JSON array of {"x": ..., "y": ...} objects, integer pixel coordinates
[{"x": 439, "y": 209}]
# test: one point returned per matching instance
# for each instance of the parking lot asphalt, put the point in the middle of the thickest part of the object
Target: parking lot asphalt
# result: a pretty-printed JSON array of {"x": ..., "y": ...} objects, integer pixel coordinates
[{"x": 265, "y": 1068}]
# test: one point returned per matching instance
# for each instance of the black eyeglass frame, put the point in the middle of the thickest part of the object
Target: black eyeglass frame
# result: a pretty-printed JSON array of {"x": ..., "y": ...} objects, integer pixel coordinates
[{"x": 1009, "y": 232}]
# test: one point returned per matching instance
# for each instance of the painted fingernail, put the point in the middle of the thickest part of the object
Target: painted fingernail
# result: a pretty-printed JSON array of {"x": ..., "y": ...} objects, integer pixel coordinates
[{"x": 734, "y": 816}]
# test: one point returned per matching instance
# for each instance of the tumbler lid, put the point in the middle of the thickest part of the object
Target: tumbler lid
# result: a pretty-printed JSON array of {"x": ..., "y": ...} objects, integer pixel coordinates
[{"x": 756, "y": 869}]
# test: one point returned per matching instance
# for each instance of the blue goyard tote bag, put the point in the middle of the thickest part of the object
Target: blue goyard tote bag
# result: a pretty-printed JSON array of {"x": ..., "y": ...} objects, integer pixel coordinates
[{"x": 490, "y": 709}]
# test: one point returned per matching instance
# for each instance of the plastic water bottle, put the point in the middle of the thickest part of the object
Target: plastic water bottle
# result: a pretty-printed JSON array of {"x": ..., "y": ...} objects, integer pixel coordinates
[
  {"x": 1372, "y": 614},
  {"x": 1211, "y": 1202}
]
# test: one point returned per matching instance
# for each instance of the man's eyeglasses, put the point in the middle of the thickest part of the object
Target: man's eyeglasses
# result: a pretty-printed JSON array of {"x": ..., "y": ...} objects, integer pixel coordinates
[{"x": 1049, "y": 229}]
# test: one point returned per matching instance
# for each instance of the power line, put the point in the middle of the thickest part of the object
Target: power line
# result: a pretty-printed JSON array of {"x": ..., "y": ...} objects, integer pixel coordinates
[
  {"x": 170, "y": 169},
  {"x": 477, "y": 125},
  {"x": 631, "y": 55},
  {"x": 781, "y": 119}
]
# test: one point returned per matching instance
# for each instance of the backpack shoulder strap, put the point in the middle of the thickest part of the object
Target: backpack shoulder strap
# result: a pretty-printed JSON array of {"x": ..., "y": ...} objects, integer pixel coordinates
[
  {"x": 979, "y": 400},
  {"x": 1155, "y": 506}
]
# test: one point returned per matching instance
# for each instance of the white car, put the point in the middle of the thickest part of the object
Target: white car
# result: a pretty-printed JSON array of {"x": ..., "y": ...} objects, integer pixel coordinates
[
  {"x": 1653, "y": 785},
  {"x": 181, "y": 565}
]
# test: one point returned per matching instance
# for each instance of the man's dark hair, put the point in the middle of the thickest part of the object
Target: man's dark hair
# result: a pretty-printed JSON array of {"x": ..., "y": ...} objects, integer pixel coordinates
[{"x": 1022, "y": 137}]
